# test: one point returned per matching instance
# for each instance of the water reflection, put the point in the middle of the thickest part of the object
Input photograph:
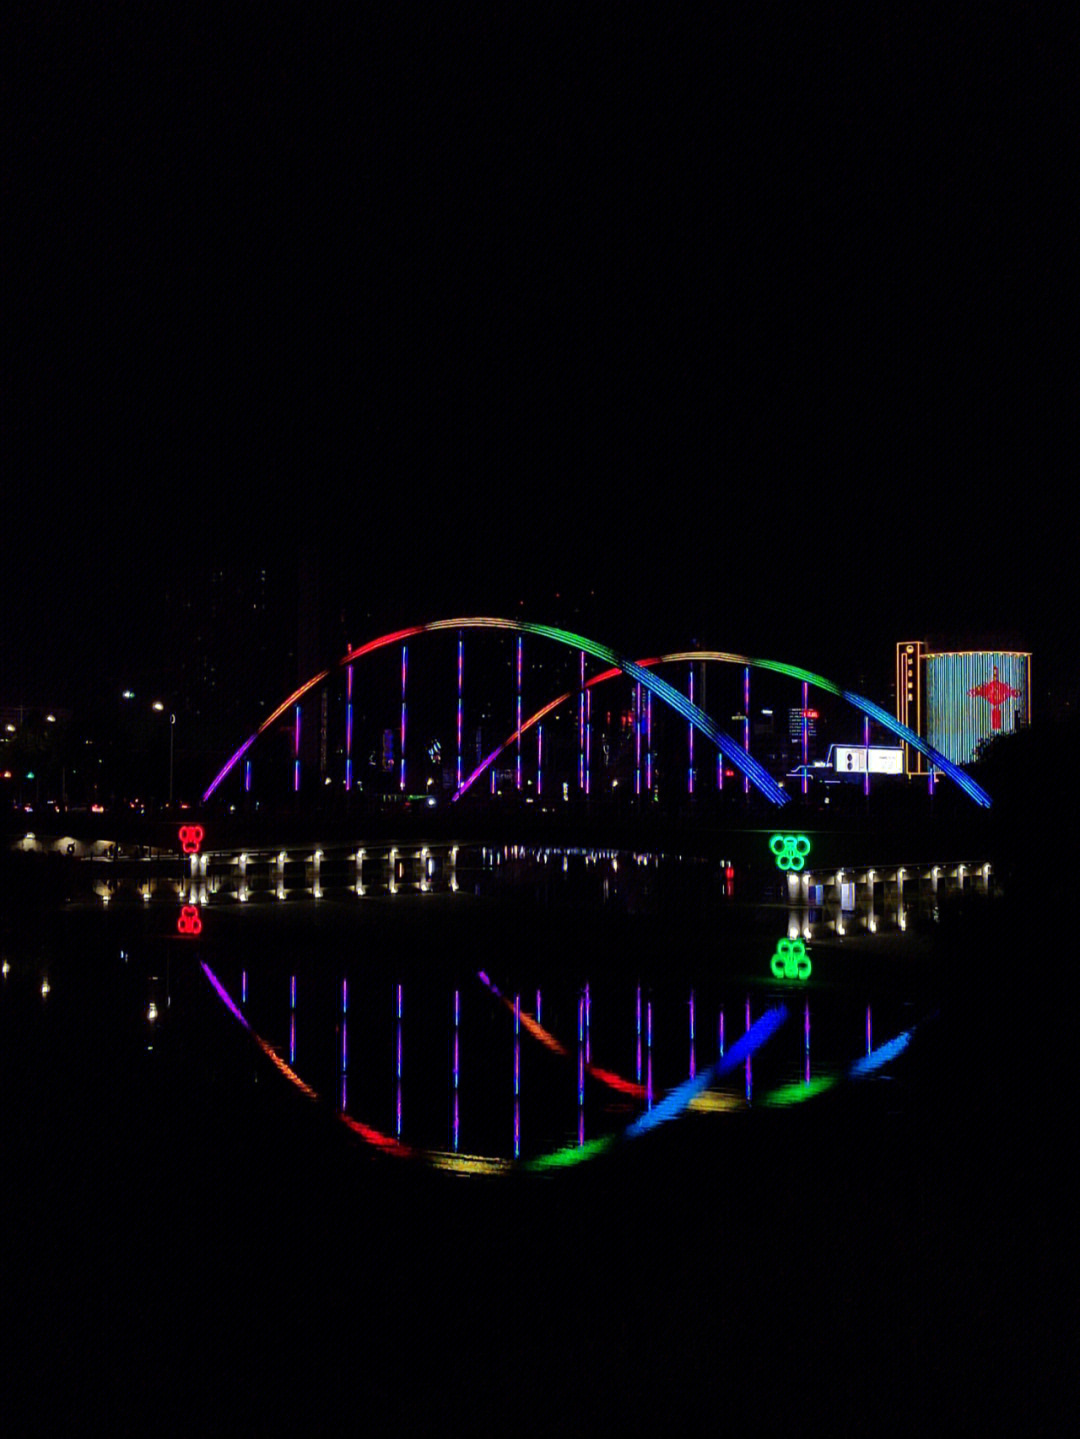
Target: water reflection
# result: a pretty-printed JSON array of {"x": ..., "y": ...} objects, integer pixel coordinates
[{"x": 622, "y": 1074}]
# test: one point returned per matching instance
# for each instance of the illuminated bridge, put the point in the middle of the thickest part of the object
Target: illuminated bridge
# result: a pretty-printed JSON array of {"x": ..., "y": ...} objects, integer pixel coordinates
[{"x": 456, "y": 707}]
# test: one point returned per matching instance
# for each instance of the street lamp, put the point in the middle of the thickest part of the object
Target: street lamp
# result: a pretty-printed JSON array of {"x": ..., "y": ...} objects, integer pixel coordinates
[{"x": 159, "y": 706}]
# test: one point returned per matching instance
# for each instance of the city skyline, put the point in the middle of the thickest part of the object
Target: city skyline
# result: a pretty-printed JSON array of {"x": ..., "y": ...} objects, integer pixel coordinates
[{"x": 727, "y": 335}]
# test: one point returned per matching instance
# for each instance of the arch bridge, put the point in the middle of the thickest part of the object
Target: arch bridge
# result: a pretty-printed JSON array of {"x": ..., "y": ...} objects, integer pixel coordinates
[{"x": 582, "y": 656}]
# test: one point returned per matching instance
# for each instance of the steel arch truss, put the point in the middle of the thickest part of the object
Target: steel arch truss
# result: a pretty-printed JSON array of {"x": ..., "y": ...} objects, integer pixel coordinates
[{"x": 641, "y": 672}]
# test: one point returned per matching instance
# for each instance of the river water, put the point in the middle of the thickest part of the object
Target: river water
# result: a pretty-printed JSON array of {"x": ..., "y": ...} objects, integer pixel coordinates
[{"x": 447, "y": 1158}]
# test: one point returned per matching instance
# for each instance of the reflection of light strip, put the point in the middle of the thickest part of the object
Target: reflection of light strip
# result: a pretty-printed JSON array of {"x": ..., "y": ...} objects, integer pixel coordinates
[
  {"x": 715, "y": 1102},
  {"x": 372, "y": 1136},
  {"x": 571, "y": 1154},
  {"x": 468, "y": 1163},
  {"x": 384, "y": 1142},
  {"x": 548, "y": 1040},
  {"x": 877, "y": 1057},
  {"x": 679, "y": 1098},
  {"x": 797, "y": 1092}
]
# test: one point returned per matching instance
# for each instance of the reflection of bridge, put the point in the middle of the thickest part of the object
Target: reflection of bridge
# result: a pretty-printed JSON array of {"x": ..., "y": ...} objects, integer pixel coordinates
[{"x": 648, "y": 684}]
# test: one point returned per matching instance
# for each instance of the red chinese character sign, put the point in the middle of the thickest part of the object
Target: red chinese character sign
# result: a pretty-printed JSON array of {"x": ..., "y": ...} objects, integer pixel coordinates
[
  {"x": 191, "y": 837},
  {"x": 995, "y": 692},
  {"x": 189, "y": 922}
]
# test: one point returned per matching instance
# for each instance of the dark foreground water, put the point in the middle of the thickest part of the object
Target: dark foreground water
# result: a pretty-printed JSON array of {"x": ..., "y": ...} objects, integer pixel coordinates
[{"x": 191, "y": 1243}]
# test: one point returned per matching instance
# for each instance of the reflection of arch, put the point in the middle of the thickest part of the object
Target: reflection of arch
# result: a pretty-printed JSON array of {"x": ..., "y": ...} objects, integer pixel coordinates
[
  {"x": 634, "y": 670},
  {"x": 868, "y": 707}
]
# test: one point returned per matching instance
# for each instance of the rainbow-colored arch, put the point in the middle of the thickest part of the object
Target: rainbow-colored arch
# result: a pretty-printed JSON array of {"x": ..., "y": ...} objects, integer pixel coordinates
[{"x": 640, "y": 671}]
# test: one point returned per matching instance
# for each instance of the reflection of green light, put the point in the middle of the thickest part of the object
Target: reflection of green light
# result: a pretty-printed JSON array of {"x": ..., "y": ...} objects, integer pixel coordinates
[
  {"x": 790, "y": 850},
  {"x": 796, "y": 1093},
  {"x": 572, "y": 1154},
  {"x": 790, "y": 960}
]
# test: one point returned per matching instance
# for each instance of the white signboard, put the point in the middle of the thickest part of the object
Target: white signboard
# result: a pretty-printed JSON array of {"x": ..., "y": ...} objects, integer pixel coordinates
[
  {"x": 883, "y": 759},
  {"x": 849, "y": 759},
  {"x": 877, "y": 759}
]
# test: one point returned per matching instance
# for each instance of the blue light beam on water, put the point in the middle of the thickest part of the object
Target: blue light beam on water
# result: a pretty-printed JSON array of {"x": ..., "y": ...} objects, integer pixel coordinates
[
  {"x": 882, "y": 1055},
  {"x": 678, "y": 1099}
]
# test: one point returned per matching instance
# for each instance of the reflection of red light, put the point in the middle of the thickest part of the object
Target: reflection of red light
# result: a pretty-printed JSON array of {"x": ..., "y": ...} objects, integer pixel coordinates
[
  {"x": 191, "y": 837},
  {"x": 810, "y": 714},
  {"x": 189, "y": 921}
]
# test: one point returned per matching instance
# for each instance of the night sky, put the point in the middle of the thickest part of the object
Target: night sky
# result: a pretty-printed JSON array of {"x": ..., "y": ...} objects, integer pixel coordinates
[{"x": 729, "y": 325}]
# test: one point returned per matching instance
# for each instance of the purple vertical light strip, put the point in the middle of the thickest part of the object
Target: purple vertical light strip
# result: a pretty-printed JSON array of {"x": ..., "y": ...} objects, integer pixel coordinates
[
  {"x": 518, "y": 725},
  {"x": 721, "y": 1029},
  {"x": 746, "y": 723},
  {"x": 404, "y": 678},
  {"x": 539, "y": 759},
  {"x": 348, "y": 727},
  {"x": 588, "y": 1025},
  {"x": 638, "y": 1035},
  {"x": 292, "y": 1019},
  {"x": 457, "y": 1062},
  {"x": 398, "y": 1114},
  {"x": 648, "y": 1055},
  {"x": 866, "y": 746},
  {"x": 296, "y": 752},
  {"x": 869, "y": 1031},
  {"x": 538, "y": 1019},
  {"x": 588, "y": 737},
  {"x": 648, "y": 740},
  {"x": 692, "y": 1066},
  {"x": 805, "y": 735},
  {"x": 517, "y": 1075},
  {"x": 637, "y": 738},
  {"x": 243, "y": 986},
  {"x": 581, "y": 1069},
  {"x": 247, "y": 776},
  {"x": 749, "y": 1072},
  {"x": 690, "y": 740},
  {"x": 460, "y": 699},
  {"x": 581, "y": 726}
]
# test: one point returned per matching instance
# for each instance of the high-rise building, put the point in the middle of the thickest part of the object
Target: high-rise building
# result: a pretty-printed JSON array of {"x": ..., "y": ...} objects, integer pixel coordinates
[
  {"x": 909, "y": 699},
  {"x": 959, "y": 699}
]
